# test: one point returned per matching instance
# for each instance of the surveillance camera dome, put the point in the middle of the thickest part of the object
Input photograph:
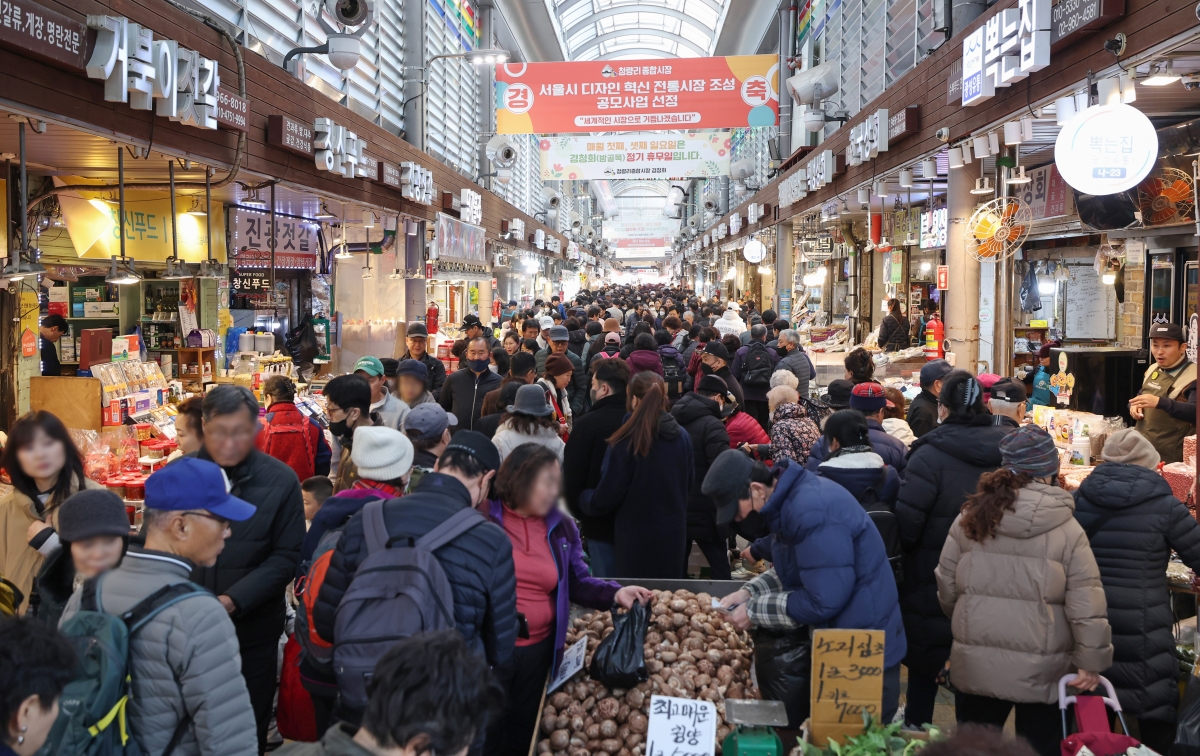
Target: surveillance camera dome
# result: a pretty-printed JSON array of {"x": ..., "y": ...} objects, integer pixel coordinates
[
  {"x": 348, "y": 12},
  {"x": 943, "y": 134},
  {"x": 814, "y": 84},
  {"x": 502, "y": 151},
  {"x": 344, "y": 51},
  {"x": 814, "y": 119}
]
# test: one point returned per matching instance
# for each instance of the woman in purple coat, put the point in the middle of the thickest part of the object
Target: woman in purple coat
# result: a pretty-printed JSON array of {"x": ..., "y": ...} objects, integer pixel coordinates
[{"x": 551, "y": 575}]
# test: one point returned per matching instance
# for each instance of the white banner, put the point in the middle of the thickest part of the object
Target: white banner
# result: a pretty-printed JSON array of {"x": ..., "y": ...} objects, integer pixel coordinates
[
  {"x": 641, "y": 233},
  {"x": 635, "y": 156}
]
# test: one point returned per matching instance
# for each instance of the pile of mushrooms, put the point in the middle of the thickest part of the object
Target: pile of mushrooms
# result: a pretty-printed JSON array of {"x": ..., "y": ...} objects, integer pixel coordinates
[{"x": 691, "y": 652}]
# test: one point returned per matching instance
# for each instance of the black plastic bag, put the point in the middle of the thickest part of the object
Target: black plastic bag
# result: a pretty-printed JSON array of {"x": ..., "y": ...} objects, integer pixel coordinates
[
  {"x": 783, "y": 666},
  {"x": 620, "y": 660},
  {"x": 1187, "y": 731}
]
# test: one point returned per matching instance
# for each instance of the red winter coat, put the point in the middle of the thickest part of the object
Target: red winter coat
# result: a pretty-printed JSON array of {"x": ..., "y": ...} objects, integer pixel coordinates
[
  {"x": 744, "y": 429},
  {"x": 644, "y": 359},
  {"x": 294, "y": 439}
]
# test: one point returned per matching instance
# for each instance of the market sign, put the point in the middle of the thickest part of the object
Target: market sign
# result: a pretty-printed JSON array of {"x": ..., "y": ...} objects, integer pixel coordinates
[
  {"x": 1071, "y": 19},
  {"x": 45, "y": 34},
  {"x": 295, "y": 240},
  {"x": 641, "y": 233},
  {"x": 1106, "y": 149},
  {"x": 820, "y": 170},
  {"x": 233, "y": 112},
  {"x": 666, "y": 156},
  {"x": 1046, "y": 192},
  {"x": 933, "y": 229},
  {"x": 251, "y": 282},
  {"x": 1009, "y": 46},
  {"x": 943, "y": 277},
  {"x": 637, "y": 95}
]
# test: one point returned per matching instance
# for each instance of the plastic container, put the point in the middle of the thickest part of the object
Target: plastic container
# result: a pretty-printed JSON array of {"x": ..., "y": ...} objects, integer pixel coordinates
[
  {"x": 1081, "y": 451},
  {"x": 264, "y": 342},
  {"x": 246, "y": 341}
]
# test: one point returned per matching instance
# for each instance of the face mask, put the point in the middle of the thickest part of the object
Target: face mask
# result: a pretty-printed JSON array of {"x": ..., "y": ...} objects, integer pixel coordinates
[
  {"x": 494, "y": 369},
  {"x": 706, "y": 368},
  {"x": 478, "y": 366},
  {"x": 340, "y": 429}
]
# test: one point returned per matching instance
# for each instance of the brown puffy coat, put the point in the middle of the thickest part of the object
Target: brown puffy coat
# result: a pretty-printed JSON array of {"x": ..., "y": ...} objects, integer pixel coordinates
[{"x": 1027, "y": 605}]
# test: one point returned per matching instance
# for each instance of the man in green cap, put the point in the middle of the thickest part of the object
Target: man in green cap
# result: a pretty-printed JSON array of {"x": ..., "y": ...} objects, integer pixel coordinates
[{"x": 390, "y": 409}]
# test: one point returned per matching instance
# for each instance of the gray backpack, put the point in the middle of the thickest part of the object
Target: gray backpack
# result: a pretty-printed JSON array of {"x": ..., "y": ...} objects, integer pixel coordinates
[{"x": 399, "y": 590}]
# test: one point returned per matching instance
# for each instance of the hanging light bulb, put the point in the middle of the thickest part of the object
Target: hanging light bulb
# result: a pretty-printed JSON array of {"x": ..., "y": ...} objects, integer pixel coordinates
[
  {"x": 1109, "y": 278},
  {"x": 1047, "y": 286},
  {"x": 926, "y": 266}
]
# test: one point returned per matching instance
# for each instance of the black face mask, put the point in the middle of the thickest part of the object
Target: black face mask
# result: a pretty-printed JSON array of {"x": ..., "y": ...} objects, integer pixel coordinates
[
  {"x": 341, "y": 431},
  {"x": 706, "y": 368}
]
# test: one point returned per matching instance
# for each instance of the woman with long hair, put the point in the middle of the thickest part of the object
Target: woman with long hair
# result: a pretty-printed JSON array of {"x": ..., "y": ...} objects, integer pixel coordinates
[
  {"x": 1021, "y": 585},
  {"x": 860, "y": 368},
  {"x": 893, "y": 331},
  {"x": 530, "y": 419},
  {"x": 45, "y": 468},
  {"x": 551, "y": 576},
  {"x": 644, "y": 483},
  {"x": 943, "y": 469}
]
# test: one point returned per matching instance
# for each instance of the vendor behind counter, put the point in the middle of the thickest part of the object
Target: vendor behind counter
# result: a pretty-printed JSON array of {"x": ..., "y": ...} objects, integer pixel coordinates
[{"x": 1165, "y": 408}]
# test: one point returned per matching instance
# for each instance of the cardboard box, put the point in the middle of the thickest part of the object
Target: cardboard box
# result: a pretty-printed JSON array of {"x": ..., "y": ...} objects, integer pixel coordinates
[
  {"x": 66, "y": 346},
  {"x": 115, "y": 411},
  {"x": 120, "y": 348},
  {"x": 90, "y": 310},
  {"x": 93, "y": 294},
  {"x": 58, "y": 308},
  {"x": 57, "y": 294}
]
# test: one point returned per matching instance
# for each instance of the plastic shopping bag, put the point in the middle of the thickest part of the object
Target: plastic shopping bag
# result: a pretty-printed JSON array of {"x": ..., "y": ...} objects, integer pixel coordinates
[
  {"x": 620, "y": 661},
  {"x": 783, "y": 666}
]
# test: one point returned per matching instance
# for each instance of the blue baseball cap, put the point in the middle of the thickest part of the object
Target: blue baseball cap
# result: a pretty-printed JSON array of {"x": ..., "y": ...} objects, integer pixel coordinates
[{"x": 190, "y": 483}]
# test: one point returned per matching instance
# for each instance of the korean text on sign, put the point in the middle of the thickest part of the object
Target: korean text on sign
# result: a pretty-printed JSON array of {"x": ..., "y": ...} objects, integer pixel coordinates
[
  {"x": 681, "y": 727},
  {"x": 847, "y": 682}
]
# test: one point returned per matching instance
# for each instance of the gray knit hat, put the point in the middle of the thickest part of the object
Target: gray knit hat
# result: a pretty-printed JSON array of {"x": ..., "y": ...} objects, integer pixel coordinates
[
  {"x": 1030, "y": 450},
  {"x": 90, "y": 513},
  {"x": 1130, "y": 447}
]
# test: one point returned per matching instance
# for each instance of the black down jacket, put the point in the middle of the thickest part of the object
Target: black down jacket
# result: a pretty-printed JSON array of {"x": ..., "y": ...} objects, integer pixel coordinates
[
  {"x": 1133, "y": 522},
  {"x": 943, "y": 470},
  {"x": 701, "y": 418},
  {"x": 261, "y": 554},
  {"x": 478, "y": 564}
]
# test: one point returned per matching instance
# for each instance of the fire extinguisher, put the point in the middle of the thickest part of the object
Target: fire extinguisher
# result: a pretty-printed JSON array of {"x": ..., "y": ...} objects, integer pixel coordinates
[
  {"x": 934, "y": 334},
  {"x": 431, "y": 317},
  {"x": 496, "y": 309}
]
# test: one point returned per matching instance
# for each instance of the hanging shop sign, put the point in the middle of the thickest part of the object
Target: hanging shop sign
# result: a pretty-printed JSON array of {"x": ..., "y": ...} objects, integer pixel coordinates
[
  {"x": 1106, "y": 149},
  {"x": 637, "y": 95},
  {"x": 933, "y": 229},
  {"x": 1046, "y": 192},
  {"x": 92, "y": 225},
  {"x": 290, "y": 135},
  {"x": 1009, "y": 46},
  {"x": 754, "y": 252},
  {"x": 793, "y": 188},
  {"x": 1071, "y": 19},
  {"x": 878, "y": 131},
  {"x": 45, "y": 34},
  {"x": 470, "y": 206},
  {"x": 822, "y": 168},
  {"x": 251, "y": 282},
  {"x": 687, "y": 155},
  {"x": 943, "y": 277},
  {"x": 295, "y": 240},
  {"x": 460, "y": 241},
  {"x": 735, "y": 223},
  {"x": 640, "y": 233}
]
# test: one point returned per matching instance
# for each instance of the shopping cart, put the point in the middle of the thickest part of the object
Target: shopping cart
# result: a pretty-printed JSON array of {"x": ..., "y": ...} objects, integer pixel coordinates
[{"x": 1091, "y": 720}]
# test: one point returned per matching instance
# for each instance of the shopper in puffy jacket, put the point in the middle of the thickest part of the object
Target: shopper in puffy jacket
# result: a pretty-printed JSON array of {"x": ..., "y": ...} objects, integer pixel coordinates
[
  {"x": 793, "y": 433},
  {"x": 943, "y": 470},
  {"x": 644, "y": 356},
  {"x": 699, "y": 413},
  {"x": 669, "y": 357},
  {"x": 551, "y": 577},
  {"x": 290, "y": 436},
  {"x": 923, "y": 410},
  {"x": 1019, "y": 581},
  {"x": 185, "y": 660},
  {"x": 828, "y": 559},
  {"x": 528, "y": 420},
  {"x": 1134, "y": 522},
  {"x": 855, "y": 465},
  {"x": 869, "y": 399},
  {"x": 646, "y": 478},
  {"x": 792, "y": 357}
]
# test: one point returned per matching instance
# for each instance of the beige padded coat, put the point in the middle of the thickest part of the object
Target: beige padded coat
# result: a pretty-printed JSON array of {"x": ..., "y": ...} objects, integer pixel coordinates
[{"x": 1027, "y": 605}]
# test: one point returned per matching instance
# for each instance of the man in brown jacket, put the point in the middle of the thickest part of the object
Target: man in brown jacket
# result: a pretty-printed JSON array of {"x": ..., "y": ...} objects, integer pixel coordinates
[{"x": 1021, "y": 585}]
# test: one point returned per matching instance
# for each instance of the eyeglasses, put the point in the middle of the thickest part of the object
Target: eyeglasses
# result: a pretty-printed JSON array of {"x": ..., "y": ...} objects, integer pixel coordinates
[{"x": 221, "y": 520}]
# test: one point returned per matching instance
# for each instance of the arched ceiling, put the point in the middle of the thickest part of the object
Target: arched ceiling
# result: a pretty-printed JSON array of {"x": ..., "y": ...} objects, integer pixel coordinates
[{"x": 616, "y": 29}]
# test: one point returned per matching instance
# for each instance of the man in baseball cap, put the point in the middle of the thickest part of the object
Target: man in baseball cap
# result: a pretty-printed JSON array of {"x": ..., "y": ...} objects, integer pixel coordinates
[
  {"x": 1165, "y": 408},
  {"x": 923, "y": 411},
  {"x": 1007, "y": 403},
  {"x": 715, "y": 360},
  {"x": 193, "y": 488},
  {"x": 867, "y": 398},
  {"x": 389, "y": 408},
  {"x": 417, "y": 342},
  {"x": 428, "y": 427},
  {"x": 473, "y": 327}
]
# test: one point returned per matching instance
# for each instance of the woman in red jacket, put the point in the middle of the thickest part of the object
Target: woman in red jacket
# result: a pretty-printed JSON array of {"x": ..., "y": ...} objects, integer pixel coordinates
[
  {"x": 288, "y": 434},
  {"x": 744, "y": 429}
]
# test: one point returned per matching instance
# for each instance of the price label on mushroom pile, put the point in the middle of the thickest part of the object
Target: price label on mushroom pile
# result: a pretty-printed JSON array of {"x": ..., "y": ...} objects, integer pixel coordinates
[
  {"x": 681, "y": 727},
  {"x": 847, "y": 682}
]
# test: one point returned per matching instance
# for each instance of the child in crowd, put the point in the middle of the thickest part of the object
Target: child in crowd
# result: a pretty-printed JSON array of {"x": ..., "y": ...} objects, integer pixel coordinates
[{"x": 315, "y": 491}]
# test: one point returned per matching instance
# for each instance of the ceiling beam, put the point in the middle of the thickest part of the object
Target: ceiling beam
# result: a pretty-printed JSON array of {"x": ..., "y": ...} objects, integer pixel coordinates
[
  {"x": 597, "y": 41},
  {"x": 621, "y": 9}
]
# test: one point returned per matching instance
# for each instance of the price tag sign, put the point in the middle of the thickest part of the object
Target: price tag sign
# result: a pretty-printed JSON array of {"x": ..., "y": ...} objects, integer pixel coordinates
[
  {"x": 681, "y": 727},
  {"x": 847, "y": 682},
  {"x": 572, "y": 662}
]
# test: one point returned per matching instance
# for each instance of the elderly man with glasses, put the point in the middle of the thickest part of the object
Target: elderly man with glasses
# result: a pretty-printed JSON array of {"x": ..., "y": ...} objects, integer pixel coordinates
[{"x": 260, "y": 556}]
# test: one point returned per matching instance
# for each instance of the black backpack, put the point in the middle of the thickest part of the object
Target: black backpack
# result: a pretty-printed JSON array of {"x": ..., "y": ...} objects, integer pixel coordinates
[
  {"x": 673, "y": 375},
  {"x": 886, "y": 523},
  {"x": 757, "y": 366}
]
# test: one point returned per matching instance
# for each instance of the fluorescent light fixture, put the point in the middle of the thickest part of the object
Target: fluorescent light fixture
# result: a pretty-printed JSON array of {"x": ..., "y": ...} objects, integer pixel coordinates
[
  {"x": 1046, "y": 287},
  {"x": 1161, "y": 76},
  {"x": 122, "y": 275},
  {"x": 343, "y": 253},
  {"x": 983, "y": 186},
  {"x": 1019, "y": 177},
  {"x": 324, "y": 213}
]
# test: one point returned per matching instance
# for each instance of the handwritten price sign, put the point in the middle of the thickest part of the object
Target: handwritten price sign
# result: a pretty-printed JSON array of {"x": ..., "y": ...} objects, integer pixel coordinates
[
  {"x": 681, "y": 727},
  {"x": 847, "y": 682}
]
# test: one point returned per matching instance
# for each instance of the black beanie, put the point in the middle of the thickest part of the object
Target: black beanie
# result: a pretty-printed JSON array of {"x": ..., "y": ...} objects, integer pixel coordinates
[{"x": 90, "y": 513}]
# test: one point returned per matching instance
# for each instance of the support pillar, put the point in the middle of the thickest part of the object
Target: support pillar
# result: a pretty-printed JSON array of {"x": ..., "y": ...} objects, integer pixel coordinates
[
  {"x": 1003, "y": 349},
  {"x": 961, "y": 313},
  {"x": 785, "y": 270}
]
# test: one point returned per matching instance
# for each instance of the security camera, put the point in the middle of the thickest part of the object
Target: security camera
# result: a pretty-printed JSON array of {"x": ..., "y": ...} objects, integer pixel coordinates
[
  {"x": 1198, "y": 11},
  {"x": 576, "y": 220},
  {"x": 348, "y": 12},
  {"x": 553, "y": 197},
  {"x": 814, "y": 84},
  {"x": 344, "y": 51},
  {"x": 693, "y": 222},
  {"x": 502, "y": 151},
  {"x": 741, "y": 169},
  {"x": 943, "y": 134},
  {"x": 814, "y": 119}
]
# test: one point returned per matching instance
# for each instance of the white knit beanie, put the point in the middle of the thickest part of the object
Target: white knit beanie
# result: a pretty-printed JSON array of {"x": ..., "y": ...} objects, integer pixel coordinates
[{"x": 381, "y": 453}]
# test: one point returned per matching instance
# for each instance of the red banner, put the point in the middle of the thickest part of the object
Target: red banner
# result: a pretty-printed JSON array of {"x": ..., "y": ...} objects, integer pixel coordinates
[{"x": 637, "y": 95}]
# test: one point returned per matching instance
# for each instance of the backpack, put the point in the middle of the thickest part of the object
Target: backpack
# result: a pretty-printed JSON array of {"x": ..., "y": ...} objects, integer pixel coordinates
[
  {"x": 10, "y": 598},
  {"x": 757, "y": 366},
  {"x": 886, "y": 523},
  {"x": 316, "y": 651},
  {"x": 398, "y": 591},
  {"x": 275, "y": 438},
  {"x": 92, "y": 717},
  {"x": 673, "y": 375}
]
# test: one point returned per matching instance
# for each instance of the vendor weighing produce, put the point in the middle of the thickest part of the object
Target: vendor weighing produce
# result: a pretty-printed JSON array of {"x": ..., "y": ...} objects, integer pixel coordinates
[{"x": 1165, "y": 408}]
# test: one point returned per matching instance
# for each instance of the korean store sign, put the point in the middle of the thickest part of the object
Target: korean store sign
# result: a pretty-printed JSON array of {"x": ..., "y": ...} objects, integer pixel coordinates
[
  {"x": 1011, "y": 45},
  {"x": 44, "y": 34},
  {"x": 251, "y": 282},
  {"x": 641, "y": 233},
  {"x": 793, "y": 188},
  {"x": 295, "y": 240},
  {"x": 637, "y": 95},
  {"x": 868, "y": 138},
  {"x": 1106, "y": 149},
  {"x": 1046, "y": 192},
  {"x": 666, "y": 156}
]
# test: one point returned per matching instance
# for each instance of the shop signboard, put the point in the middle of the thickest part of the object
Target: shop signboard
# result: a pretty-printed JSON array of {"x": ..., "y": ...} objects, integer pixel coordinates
[
  {"x": 847, "y": 682},
  {"x": 45, "y": 34},
  {"x": 459, "y": 241},
  {"x": 943, "y": 277},
  {"x": 233, "y": 112},
  {"x": 666, "y": 156},
  {"x": 933, "y": 229},
  {"x": 1071, "y": 19},
  {"x": 1046, "y": 192},
  {"x": 641, "y": 233},
  {"x": 1009, "y": 46},
  {"x": 289, "y": 134},
  {"x": 295, "y": 240},
  {"x": 253, "y": 281},
  {"x": 1106, "y": 149},
  {"x": 637, "y": 95}
]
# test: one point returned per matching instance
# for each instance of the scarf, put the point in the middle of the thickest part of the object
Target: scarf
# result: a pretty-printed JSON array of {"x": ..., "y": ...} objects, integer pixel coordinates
[{"x": 384, "y": 488}]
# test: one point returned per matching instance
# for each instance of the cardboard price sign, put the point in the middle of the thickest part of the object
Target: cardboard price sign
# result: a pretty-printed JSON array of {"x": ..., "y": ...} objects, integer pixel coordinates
[
  {"x": 681, "y": 727},
  {"x": 847, "y": 682}
]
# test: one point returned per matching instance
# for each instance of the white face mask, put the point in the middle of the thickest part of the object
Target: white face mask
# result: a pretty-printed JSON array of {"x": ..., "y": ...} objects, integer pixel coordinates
[{"x": 495, "y": 369}]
